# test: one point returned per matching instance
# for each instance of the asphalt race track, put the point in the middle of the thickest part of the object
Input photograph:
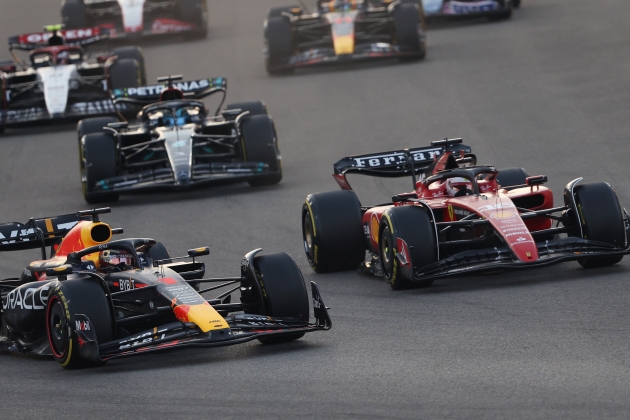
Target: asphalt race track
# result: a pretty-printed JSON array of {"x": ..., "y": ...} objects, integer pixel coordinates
[{"x": 548, "y": 91}]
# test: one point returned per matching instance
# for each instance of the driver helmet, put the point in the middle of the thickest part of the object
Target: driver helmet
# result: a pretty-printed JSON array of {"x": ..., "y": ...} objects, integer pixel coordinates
[
  {"x": 182, "y": 116},
  {"x": 114, "y": 257},
  {"x": 343, "y": 5},
  {"x": 455, "y": 184},
  {"x": 63, "y": 58}
]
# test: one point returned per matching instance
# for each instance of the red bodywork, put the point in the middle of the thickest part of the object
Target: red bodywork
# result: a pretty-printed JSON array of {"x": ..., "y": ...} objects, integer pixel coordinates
[{"x": 497, "y": 205}]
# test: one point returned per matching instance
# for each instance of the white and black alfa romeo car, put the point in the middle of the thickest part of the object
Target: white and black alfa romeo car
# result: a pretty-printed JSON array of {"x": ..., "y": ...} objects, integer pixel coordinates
[
  {"x": 177, "y": 142},
  {"x": 59, "y": 82}
]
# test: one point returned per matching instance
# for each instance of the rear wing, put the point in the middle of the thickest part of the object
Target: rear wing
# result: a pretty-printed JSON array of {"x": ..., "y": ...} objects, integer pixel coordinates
[
  {"x": 194, "y": 89},
  {"x": 82, "y": 36},
  {"x": 37, "y": 233},
  {"x": 399, "y": 163}
]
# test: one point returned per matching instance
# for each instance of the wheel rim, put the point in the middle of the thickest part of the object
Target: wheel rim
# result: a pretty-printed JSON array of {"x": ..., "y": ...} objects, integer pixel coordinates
[
  {"x": 387, "y": 251},
  {"x": 309, "y": 240},
  {"x": 57, "y": 329}
]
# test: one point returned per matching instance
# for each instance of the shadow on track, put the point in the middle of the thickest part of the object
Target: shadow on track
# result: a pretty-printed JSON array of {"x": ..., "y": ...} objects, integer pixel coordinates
[
  {"x": 562, "y": 273},
  {"x": 229, "y": 189},
  {"x": 53, "y": 127},
  {"x": 192, "y": 357},
  {"x": 347, "y": 67}
]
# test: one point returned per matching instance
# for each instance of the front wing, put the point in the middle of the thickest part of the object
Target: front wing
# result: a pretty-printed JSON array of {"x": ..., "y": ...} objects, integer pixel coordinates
[
  {"x": 550, "y": 252},
  {"x": 156, "y": 27},
  {"x": 454, "y": 8},
  {"x": 363, "y": 52},
  {"x": 74, "y": 111},
  {"x": 243, "y": 328},
  {"x": 163, "y": 178}
]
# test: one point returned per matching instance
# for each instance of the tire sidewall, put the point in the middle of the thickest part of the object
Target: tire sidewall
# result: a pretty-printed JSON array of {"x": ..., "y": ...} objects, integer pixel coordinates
[
  {"x": 120, "y": 74},
  {"x": 66, "y": 356},
  {"x": 135, "y": 53},
  {"x": 404, "y": 223},
  {"x": 278, "y": 37},
  {"x": 591, "y": 214},
  {"x": 260, "y": 144},
  {"x": 98, "y": 164},
  {"x": 86, "y": 297},
  {"x": 282, "y": 287},
  {"x": 338, "y": 240},
  {"x": 74, "y": 14},
  {"x": 391, "y": 274},
  {"x": 404, "y": 20}
]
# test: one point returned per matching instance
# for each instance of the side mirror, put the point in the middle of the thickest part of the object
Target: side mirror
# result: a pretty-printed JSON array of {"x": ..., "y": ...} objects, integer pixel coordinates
[
  {"x": 535, "y": 180},
  {"x": 199, "y": 252},
  {"x": 118, "y": 125}
]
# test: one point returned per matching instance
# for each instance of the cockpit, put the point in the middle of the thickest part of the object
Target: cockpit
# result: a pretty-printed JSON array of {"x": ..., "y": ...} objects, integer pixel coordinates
[
  {"x": 460, "y": 182},
  {"x": 328, "y": 6},
  {"x": 53, "y": 57},
  {"x": 175, "y": 116}
]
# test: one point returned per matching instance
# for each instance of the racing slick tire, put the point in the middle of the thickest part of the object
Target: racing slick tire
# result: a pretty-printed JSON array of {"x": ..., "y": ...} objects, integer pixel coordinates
[
  {"x": 410, "y": 226},
  {"x": 261, "y": 145},
  {"x": 73, "y": 14},
  {"x": 279, "y": 43},
  {"x": 100, "y": 161},
  {"x": 125, "y": 73},
  {"x": 332, "y": 231},
  {"x": 196, "y": 12},
  {"x": 136, "y": 54},
  {"x": 278, "y": 11},
  {"x": 67, "y": 299},
  {"x": 254, "y": 107},
  {"x": 510, "y": 177},
  {"x": 407, "y": 22},
  {"x": 283, "y": 291},
  {"x": 4, "y": 332},
  {"x": 602, "y": 220},
  {"x": 90, "y": 126},
  {"x": 93, "y": 125},
  {"x": 505, "y": 14}
]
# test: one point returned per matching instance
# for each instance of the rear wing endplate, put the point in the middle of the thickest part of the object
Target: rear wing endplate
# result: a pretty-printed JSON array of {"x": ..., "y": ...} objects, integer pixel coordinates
[{"x": 36, "y": 233}]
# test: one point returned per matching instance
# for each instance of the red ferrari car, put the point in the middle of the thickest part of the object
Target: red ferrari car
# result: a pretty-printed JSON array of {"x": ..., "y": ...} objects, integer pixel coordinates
[{"x": 459, "y": 219}]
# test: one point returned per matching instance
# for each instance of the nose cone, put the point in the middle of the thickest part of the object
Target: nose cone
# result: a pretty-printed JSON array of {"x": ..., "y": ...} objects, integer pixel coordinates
[
  {"x": 344, "y": 44},
  {"x": 183, "y": 178}
]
